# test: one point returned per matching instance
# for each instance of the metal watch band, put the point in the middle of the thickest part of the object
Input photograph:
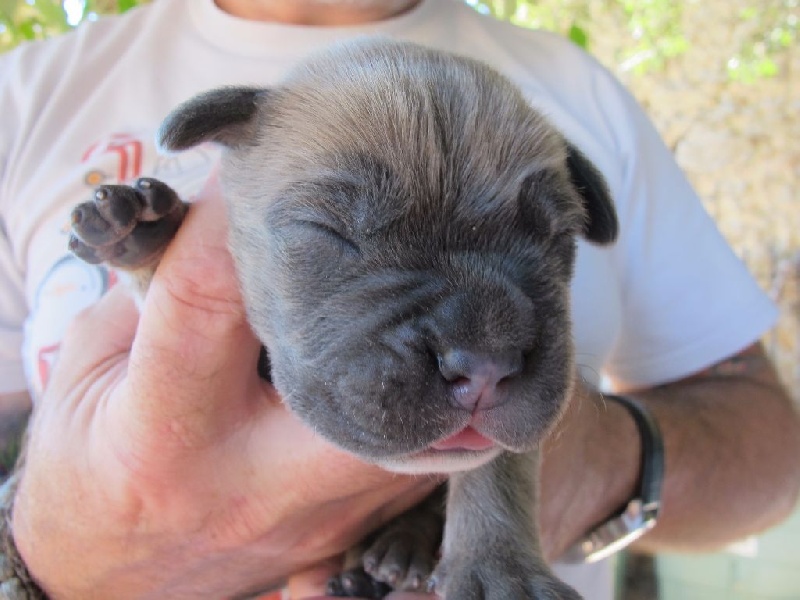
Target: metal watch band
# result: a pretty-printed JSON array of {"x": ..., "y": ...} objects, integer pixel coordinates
[
  {"x": 640, "y": 513},
  {"x": 16, "y": 582}
]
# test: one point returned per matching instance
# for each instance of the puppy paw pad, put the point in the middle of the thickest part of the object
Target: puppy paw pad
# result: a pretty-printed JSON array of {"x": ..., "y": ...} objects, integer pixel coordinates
[{"x": 126, "y": 226}]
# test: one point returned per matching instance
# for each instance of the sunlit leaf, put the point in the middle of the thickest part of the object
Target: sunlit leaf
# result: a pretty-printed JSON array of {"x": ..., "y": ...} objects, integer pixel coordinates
[
  {"x": 579, "y": 36},
  {"x": 749, "y": 13},
  {"x": 656, "y": 30},
  {"x": 767, "y": 68},
  {"x": 125, "y": 5},
  {"x": 27, "y": 30},
  {"x": 52, "y": 15}
]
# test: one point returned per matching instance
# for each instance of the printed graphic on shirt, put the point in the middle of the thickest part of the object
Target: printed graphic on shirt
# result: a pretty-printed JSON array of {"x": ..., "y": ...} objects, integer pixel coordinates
[
  {"x": 70, "y": 286},
  {"x": 121, "y": 158},
  {"x": 124, "y": 149}
]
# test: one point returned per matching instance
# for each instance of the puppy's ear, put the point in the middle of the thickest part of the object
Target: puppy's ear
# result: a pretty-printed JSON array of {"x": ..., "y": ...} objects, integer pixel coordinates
[
  {"x": 601, "y": 225},
  {"x": 225, "y": 115}
]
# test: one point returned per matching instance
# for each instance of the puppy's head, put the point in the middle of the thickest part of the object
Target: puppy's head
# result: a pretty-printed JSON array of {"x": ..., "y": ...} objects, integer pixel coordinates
[{"x": 404, "y": 229}]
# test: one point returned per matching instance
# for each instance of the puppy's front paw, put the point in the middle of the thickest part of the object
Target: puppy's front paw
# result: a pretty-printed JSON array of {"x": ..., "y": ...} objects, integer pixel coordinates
[
  {"x": 127, "y": 227},
  {"x": 497, "y": 575},
  {"x": 356, "y": 583},
  {"x": 403, "y": 559},
  {"x": 395, "y": 560}
]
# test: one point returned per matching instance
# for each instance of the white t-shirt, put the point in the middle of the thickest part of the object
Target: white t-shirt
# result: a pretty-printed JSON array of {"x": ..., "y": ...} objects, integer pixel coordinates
[{"x": 668, "y": 299}]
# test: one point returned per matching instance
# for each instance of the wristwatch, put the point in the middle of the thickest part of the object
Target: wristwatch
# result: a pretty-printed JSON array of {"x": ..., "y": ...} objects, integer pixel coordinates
[{"x": 640, "y": 514}]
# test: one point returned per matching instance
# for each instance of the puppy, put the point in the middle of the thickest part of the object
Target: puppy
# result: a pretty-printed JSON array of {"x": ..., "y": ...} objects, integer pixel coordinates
[{"x": 403, "y": 225}]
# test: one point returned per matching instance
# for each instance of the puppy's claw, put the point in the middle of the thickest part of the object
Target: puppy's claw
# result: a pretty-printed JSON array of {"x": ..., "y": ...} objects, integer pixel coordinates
[
  {"x": 85, "y": 253},
  {"x": 159, "y": 199},
  {"x": 416, "y": 583},
  {"x": 334, "y": 587},
  {"x": 356, "y": 583}
]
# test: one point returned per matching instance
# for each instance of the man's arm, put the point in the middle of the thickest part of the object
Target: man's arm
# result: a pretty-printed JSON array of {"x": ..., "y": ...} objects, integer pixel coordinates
[
  {"x": 734, "y": 447},
  {"x": 732, "y": 441}
]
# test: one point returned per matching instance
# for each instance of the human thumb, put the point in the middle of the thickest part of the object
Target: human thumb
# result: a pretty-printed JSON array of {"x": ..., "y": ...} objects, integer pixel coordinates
[{"x": 193, "y": 362}]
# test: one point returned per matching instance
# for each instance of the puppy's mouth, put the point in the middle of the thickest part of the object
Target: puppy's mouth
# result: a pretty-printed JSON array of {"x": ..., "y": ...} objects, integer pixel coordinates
[
  {"x": 469, "y": 439},
  {"x": 464, "y": 450}
]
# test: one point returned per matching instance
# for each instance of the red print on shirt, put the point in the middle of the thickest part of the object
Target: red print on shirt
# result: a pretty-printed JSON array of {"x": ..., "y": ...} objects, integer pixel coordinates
[
  {"x": 69, "y": 286},
  {"x": 126, "y": 148}
]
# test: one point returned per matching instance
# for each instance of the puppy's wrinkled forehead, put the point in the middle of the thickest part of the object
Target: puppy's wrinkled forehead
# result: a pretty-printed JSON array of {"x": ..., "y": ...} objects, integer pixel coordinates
[{"x": 447, "y": 126}]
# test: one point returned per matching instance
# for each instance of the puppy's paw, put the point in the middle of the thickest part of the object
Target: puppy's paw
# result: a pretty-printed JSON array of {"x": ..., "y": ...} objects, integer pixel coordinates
[
  {"x": 402, "y": 559},
  {"x": 127, "y": 227},
  {"x": 497, "y": 576},
  {"x": 395, "y": 560},
  {"x": 356, "y": 583}
]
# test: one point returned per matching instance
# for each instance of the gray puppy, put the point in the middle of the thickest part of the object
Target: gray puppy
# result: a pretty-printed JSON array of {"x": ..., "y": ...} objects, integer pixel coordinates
[{"x": 403, "y": 225}]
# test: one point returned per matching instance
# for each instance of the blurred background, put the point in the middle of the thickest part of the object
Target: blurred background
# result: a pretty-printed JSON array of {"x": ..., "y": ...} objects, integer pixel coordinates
[{"x": 721, "y": 80}]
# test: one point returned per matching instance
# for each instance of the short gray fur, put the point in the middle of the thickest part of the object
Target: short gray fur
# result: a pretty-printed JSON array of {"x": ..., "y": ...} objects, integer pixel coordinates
[{"x": 389, "y": 204}]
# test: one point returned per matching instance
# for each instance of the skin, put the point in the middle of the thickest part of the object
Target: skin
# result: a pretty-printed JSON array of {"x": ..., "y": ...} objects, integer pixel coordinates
[
  {"x": 201, "y": 466},
  {"x": 318, "y": 12},
  {"x": 168, "y": 450}
]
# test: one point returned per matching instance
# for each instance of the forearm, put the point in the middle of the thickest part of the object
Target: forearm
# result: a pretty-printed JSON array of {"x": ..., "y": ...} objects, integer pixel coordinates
[
  {"x": 590, "y": 469},
  {"x": 732, "y": 443}
]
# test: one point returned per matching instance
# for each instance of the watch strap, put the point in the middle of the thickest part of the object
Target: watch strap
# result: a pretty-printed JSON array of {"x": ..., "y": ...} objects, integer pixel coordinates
[
  {"x": 639, "y": 515},
  {"x": 652, "y": 452}
]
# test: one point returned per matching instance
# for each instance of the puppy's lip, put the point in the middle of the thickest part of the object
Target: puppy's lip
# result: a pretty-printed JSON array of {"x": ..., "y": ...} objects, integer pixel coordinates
[{"x": 466, "y": 439}]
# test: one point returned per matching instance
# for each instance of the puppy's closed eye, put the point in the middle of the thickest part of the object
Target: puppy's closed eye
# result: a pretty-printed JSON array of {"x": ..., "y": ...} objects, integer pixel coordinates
[{"x": 330, "y": 234}]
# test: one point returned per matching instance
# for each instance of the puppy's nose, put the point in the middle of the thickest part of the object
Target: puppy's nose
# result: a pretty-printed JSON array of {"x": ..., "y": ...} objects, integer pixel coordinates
[{"x": 475, "y": 376}]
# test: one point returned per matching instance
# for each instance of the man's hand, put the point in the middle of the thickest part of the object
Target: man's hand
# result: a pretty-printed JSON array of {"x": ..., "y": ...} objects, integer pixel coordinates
[{"x": 160, "y": 466}]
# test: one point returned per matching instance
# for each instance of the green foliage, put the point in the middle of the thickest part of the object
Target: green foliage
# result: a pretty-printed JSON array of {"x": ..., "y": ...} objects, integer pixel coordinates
[
  {"x": 656, "y": 29},
  {"x": 21, "y": 21},
  {"x": 774, "y": 29},
  {"x": 655, "y": 26},
  {"x": 578, "y": 36},
  {"x": 25, "y": 20},
  {"x": 570, "y": 17},
  {"x": 656, "y": 35}
]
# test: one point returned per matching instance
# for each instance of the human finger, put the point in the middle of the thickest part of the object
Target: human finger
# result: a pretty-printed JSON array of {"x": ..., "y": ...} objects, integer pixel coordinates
[
  {"x": 313, "y": 582},
  {"x": 193, "y": 362},
  {"x": 98, "y": 340}
]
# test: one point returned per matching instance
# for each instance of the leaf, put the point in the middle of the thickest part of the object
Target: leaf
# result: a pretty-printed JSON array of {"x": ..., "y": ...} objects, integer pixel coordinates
[
  {"x": 53, "y": 15},
  {"x": 749, "y": 13},
  {"x": 767, "y": 68},
  {"x": 578, "y": 36},
  {"x": 27, "y": 29},
  {"x": 125, "y": 5}
]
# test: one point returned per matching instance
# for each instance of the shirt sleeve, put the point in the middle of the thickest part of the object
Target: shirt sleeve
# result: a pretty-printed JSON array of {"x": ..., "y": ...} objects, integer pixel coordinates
[
  {"x": 12, "y": 316},
  {"x": 13, "y": 307},
  {"x": 687, "y": 300}
]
